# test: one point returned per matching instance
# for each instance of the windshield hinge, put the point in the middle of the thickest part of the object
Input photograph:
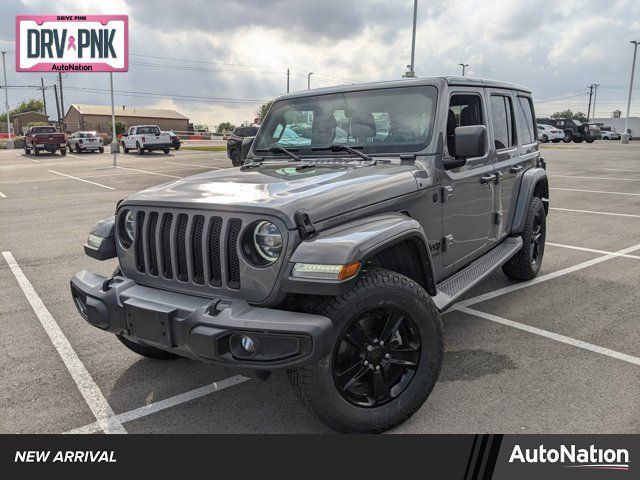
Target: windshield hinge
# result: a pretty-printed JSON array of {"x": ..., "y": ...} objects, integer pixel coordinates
[{"x": 306, "y": 228}]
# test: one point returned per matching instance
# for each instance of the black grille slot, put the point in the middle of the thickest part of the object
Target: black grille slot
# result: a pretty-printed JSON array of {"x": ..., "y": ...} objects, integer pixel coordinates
[
  {"x": 167, "y": 269},
  {"x": 233, "y": 262},
  {"x": 196, "y": 249},
  {"x": 181, "y": 247},
  {"x": 215, "y": 266},
  {"x": 139, "y": 242},
  {"x": 151, "y": 243}
]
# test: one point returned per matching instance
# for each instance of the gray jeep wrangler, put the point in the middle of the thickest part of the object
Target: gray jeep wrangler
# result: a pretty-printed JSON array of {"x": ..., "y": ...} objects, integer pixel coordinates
[{"x": 361, "y": 212}]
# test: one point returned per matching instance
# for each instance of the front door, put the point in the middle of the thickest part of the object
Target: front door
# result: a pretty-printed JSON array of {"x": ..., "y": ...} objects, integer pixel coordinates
[{"x": 468, "y": 191}]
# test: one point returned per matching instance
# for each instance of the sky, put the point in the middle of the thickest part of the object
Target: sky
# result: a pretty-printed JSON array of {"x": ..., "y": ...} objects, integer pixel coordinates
[{"x": 234, "y": 55}]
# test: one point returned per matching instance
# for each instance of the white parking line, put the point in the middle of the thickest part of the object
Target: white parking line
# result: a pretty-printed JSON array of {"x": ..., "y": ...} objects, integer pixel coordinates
[
  {"x": 596, "y": 213},
  {"x": 553, "y": 336},
  {"x": 543, "y": 278},
  {"x": 598, "y": 178},
  {"x": 145, "y": 171},
  {"x": 583, "y": 249},
  {"x": 75, "y": 156},
  {"x": 621, "y": 170},
  {"x": 194, "y": 165},
  {"x": 166, "y": 403},
  {"x": 105, "y": 416},
  {"x": 27, "y": 158},
  {"x": 594, "y": 191},
  {"x": 2, "y": 195},
  {"x": 81, "y": 179}
]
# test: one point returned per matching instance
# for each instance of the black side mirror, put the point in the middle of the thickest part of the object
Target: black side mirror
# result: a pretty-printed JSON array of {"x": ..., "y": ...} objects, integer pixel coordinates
[
  {"x": 470, "y": 142},
  {"x": 246, "y": 146}
]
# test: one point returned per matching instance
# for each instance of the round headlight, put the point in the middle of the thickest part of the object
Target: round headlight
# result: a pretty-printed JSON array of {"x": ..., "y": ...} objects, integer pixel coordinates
[
  {"x": 129, "y": 224},
  {"x": 268, "y": 241}
]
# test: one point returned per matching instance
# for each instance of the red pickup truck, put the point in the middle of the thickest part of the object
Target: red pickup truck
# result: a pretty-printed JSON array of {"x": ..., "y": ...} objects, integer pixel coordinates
[{"x": 45, "y": 138}]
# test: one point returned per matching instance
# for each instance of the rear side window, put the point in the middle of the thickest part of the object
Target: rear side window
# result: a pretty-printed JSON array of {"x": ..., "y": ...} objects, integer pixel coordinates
[
  {"x": 526, "y": 129},
  {"x": 502, "y": 121}
]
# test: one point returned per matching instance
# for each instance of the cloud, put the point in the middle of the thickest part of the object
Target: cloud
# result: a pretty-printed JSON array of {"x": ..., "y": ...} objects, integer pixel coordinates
[{"x": 240, "y": 51}]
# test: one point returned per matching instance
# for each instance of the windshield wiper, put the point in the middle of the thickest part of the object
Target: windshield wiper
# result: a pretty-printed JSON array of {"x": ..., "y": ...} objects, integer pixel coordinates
[
  {"x": 274, "y": 148},
  {"x": 344, "y": 148}
]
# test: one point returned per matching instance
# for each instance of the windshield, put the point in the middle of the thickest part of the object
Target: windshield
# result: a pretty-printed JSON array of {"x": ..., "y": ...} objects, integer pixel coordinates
[{"x": 383, "y": 120}]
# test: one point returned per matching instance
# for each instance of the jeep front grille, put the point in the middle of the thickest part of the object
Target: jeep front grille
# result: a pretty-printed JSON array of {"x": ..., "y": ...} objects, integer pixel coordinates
[{"x": 188, "y": 248}]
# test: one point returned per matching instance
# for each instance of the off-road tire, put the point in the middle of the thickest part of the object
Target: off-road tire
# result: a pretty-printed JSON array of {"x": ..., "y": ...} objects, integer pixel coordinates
[
  {"x": 314, "y": 383},
  {"x": 521, "y": 267},
  {"x": 578, "y": 139},
  {"x": 567, "y": 139},
  {"x": 146, "y": 350},
  {"x": 236, "y": 158}
]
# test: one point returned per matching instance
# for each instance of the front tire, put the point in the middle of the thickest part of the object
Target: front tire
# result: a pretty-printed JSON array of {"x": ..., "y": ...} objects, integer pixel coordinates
[
  {"x": 545, "y": 139},
  {"x": 166, "y": 151},
  {"x": 124, "y": 149},
  {"x": 63, "y": 152},
  {"x": 525, "y": 265},
  {"x": 386, "y": 358},
  {"x": 236, "y": 159},
  {"x": 567, "y": 139}
]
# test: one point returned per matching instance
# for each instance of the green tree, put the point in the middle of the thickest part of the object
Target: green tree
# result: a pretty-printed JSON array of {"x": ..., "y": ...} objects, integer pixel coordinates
[
  {"x": 27, "y": 106},
  {"x": 262, "y": 111},
  {"x": 568, "y": 114},
  {"x": 38, "y": 124},
  {"x": 225, "y": 127},
  {"x": 121, "y": 127},
  {"x": 201, "y": 127}
]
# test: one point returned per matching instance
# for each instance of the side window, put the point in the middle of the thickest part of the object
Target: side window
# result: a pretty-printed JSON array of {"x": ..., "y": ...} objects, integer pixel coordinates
[
  {"x": 502, "y": 121},
  {"x": 464, "y": 110},
  {"x": 526, "y": 130}
]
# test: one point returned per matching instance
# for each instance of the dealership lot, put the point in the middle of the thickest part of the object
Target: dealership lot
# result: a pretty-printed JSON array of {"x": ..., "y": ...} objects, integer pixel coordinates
[{"x": 558, "y": 354}]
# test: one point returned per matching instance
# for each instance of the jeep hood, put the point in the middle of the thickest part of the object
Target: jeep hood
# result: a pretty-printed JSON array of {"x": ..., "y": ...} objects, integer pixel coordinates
[{"x": 323, "y": 191}]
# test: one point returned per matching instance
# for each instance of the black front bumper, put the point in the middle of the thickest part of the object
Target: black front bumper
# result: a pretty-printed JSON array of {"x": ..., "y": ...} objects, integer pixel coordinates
[{"x": 201, "y": 328}]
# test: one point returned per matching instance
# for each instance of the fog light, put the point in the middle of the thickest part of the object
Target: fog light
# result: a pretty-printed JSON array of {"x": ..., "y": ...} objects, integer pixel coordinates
[{"x": 247, "y": 344}]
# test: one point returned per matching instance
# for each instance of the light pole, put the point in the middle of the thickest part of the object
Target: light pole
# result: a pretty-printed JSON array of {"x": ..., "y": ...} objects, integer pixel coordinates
[
  {"x": 6, "y": 102},
  {"x": 309, "y": 80},
  {"x": 595, "y": 96},
  {"x": 625, "y": 136},
  {"x": 464, "y": 66},
  {"x": 411, "y": 73}
]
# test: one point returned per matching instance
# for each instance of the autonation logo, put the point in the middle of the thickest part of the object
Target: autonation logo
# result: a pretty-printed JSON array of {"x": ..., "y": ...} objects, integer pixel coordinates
[{"x": 573, "y": 457}]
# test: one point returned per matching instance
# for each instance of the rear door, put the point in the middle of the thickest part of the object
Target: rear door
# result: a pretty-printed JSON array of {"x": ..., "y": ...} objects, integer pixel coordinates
[{"x": 468, "y": 191}]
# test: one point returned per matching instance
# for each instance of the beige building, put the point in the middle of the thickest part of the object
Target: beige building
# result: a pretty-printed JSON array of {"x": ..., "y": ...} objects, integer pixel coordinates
[
  {"x": 21, "y": 121},
  {"x": 98, "y": 118}
]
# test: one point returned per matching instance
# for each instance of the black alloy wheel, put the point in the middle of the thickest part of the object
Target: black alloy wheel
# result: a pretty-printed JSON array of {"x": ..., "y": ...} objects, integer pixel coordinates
[{"x": 377, "y": 356}]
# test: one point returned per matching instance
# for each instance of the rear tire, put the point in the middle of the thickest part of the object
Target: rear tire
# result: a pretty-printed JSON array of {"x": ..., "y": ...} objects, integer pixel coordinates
[
  {"x": 385, "y": 313},
  {"x": 545, "y": 139},
  {"x": 124, "y": 149},
  {"x": 578, "y": 139},
  {"x": 27, "y": 151},
  {"x": 101, "y": 149},
  {"x": 166, "y": 151},
  {"x": 63, "y": 152},
  {"x": 236, "y": 159},
  {"x": 36, "y": 152},
  {"x": 525, "y": 265},
  {"x": 139, "y": 149},
  {"x": 567, "y": 139},
  {"x": 589, "y": 140}
]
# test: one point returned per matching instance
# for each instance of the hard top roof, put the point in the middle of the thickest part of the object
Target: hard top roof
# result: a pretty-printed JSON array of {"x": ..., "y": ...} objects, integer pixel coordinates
[{"x": 405, "y": 82}]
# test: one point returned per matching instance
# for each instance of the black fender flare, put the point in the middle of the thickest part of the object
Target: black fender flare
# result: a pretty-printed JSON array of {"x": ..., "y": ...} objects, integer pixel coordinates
[
  {"x": 358, "y": 240},
  {"x": 534, "y": 181}
]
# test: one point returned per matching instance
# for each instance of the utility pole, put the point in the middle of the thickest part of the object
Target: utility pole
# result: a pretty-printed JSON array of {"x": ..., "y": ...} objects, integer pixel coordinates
[
  {"x": 464, "y": 66},
  {"x": 55, "y": 92},
  {"x": 413, "y": 39},
  {"x": 589, "y": 108},
  {"x": 115, "y": 146},
  {"x": 6, "y": 102},
  {"x": 288, "y": 80},
  {"x": 309, "y": 80},
  {"x": 61, "y": 101},
  {"x": 595, "y": 96},
  {"x": 44, "y": 98},
  {"x": 625, "y": 136}
]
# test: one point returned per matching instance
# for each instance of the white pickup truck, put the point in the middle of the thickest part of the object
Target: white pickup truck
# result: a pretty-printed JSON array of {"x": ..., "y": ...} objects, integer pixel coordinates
[{"x": 146, "y": 137}]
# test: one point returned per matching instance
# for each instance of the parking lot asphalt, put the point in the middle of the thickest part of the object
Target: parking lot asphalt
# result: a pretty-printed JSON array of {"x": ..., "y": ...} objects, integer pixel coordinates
[{"x": 559, "y": 354}]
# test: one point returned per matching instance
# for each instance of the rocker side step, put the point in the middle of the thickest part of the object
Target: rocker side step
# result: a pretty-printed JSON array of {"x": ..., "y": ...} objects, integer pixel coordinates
[{"x": 453, "y": 287}]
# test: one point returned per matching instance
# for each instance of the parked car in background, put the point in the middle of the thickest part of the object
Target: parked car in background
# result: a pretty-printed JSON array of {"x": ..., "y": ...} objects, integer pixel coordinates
[
  {"x": 234, "y": 142},
  {"x": 573, "y": 129},
  {"x": 609, "y": 135},
  {"x": 547, "y": 133},
  {"x": 146, "y": 138},
  {"x": 45, "y": 138},
  {"x": 85, "y": 141},
  {"x": 175, "y": 140}
]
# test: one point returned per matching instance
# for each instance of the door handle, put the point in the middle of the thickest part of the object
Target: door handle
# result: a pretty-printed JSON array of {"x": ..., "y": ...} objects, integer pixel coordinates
[
  {"x": 516, "y": 168},
  {"x": 487, "y": 178}
]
